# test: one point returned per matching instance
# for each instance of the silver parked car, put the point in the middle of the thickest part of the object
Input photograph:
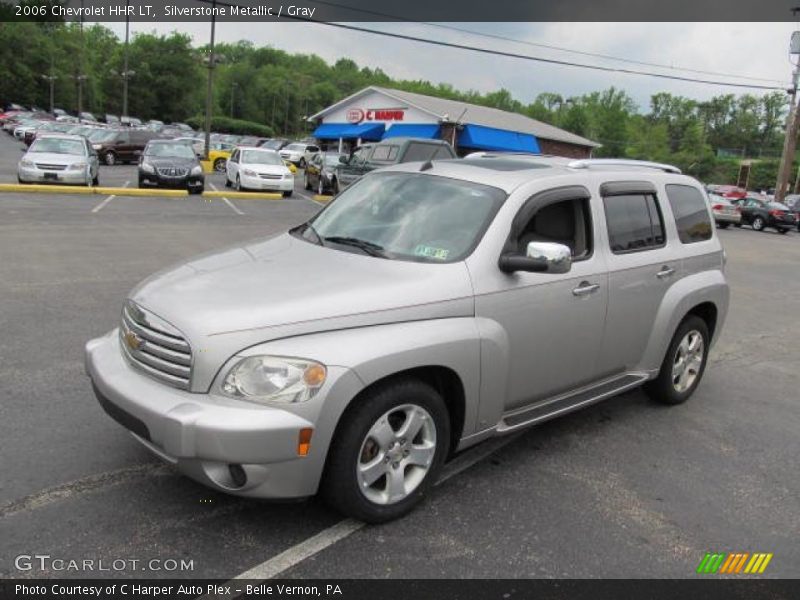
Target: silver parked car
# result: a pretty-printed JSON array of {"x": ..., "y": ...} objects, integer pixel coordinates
[
  {"x": 59, "y": 158},
  {"x": 725, "y": 212},
  {"x": 429, "y": 307}
]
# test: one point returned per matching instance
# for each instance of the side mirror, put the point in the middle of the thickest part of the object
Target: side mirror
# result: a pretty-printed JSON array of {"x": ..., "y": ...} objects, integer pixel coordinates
[{"x": 541, "y": 257}]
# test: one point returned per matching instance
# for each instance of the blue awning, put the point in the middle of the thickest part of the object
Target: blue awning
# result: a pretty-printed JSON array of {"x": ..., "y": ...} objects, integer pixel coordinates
[
  {"x": 419, "y": 130},
  {"x": 334, "y": 131},
  {"x": 487, "y": 138}
]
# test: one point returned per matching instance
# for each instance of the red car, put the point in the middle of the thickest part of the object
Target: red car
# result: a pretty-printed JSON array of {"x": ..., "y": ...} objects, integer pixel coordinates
[{"x": 731, "y": 192}]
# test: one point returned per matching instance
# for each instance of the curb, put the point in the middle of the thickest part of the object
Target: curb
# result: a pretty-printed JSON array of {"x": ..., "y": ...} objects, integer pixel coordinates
[
  {"x": 231, "y": 195},
  {"x": 88, "y": 191}
]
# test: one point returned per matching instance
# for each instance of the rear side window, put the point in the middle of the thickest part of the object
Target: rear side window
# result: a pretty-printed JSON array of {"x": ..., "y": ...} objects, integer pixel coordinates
[
  {"x": 691, "y": 214},
  {"x": 384, "y": 153},
  {"x": 423, "y": 152},
  {"x": 634, "y": 222}
]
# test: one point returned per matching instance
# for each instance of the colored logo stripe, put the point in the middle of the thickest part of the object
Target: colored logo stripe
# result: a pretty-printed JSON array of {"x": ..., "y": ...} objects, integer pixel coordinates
[{"x": 734, "y": 563}]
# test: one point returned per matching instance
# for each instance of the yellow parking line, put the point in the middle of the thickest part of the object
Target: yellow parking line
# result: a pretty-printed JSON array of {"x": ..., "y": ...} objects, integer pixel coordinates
[
  {"x": 102, "y": 191},
  {"x": 322, "y": 198},
  {"x": 242, "y": 195}
]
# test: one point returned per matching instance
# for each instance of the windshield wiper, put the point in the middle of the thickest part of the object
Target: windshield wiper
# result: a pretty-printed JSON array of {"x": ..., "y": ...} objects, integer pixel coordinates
[{"x": 367, "y": 247}]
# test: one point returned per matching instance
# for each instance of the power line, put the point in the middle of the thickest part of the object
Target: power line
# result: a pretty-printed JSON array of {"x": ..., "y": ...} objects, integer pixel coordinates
[
  {"x": 549, "y": 46},
  {"x": 552, "y": 61}
]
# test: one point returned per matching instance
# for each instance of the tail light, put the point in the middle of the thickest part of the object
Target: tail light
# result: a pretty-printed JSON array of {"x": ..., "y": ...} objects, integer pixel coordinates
[
  {"x": 717, "y": 207},
  {"x": 776, "y": 213}
]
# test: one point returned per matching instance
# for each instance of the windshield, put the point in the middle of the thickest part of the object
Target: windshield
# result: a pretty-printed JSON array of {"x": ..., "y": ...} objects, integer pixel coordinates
[
  {"x": 176, "y": 150},
  {"x": 408, "y": 216},
  {"x": 331, "y": 160},
  {"x": 58, "y": 146},
  {"x": 272, "y": 144},
  {"x": 254, "y": 157},
  {"x": 101, "y": 136},
  {"x": 296, "y": 147}
]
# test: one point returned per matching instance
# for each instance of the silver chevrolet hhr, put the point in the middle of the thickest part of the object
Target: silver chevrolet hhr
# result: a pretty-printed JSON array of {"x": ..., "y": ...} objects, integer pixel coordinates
[{"x": 429, "y": 307}]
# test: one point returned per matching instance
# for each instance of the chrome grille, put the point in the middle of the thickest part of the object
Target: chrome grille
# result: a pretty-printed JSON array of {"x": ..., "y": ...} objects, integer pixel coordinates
[
  {"x": 154, "y": 346},
  {"x": 267, "y": 176},
  {"x": 173, "y": 172},
  {"x": 46, "y": 167}
]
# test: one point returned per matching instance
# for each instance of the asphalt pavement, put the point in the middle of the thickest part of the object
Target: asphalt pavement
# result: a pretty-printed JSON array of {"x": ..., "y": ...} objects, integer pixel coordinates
[{"x": 625, "y": 488}]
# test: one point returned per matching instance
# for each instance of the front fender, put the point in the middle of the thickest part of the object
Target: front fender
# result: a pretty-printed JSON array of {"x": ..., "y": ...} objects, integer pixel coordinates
[{"x": 685, "y": 294}]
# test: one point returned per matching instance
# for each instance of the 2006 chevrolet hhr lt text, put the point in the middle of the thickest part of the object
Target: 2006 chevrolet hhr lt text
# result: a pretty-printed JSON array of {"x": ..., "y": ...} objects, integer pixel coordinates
[{"x": 428, "y": 307}]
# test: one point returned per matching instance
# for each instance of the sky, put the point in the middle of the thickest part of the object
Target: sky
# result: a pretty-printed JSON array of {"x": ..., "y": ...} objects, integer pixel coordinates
[{"x": 743, "y": 49}]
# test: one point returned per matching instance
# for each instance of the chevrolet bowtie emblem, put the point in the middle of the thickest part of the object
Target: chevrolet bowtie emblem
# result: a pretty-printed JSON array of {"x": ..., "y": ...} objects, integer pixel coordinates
[{"x": 133, "y": 341}]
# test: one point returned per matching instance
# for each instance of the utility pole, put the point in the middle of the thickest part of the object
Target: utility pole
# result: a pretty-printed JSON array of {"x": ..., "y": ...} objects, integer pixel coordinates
[
  {"x": 210, "y": 88},
  {"x": 80, "y": 76},
  {"x": 125, "y": 72},
  {"x": 792, "y": 122},
  {"x": 52, "y": 80}
]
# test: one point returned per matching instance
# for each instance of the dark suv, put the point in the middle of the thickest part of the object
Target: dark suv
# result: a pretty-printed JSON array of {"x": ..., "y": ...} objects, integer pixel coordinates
[
  {"x": 121, "y": 145},
  {"x": 388, "y": 152}
]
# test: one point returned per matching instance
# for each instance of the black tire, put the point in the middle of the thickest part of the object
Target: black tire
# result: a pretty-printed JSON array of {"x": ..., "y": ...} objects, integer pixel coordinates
[
  {"x": 302, "y": 163},
  {"x": 227, "y": 181},
  {"x": 196, "y": 190},
  {"x": 141, "y": 183},
  {"x": 782, "y": 231},
  {"x": 96, "y": 180},
  {"x": 723, "y": 225},
  {"x": 287, "y": 194},
  {"x": 238, "y": 187},
  {"x": 340, "y": 486},
  {"x": 306, "y": 181},
  {"x": 335, "y": 186},
  {"x": 321, "y": 187},
  {"x": 663, "y": 389},
  {"x": 758, "y": 224},
  {"x": 739, "y": 225},
  {"x": 220, "y": 164},
  {"x": 110, "y": 159}
]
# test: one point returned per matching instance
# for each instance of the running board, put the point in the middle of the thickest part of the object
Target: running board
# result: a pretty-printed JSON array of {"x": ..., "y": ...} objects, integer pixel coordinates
[{"x": 567, "y": 403}]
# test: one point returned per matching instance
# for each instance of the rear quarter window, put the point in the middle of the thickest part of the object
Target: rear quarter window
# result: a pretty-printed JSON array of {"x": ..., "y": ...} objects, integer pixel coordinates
[
  {"x": 384, "y": 153},
  {"x": 691, "y": 215}
]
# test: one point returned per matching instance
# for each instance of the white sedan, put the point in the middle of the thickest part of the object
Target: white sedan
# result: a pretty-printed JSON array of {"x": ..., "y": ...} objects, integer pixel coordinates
[{"x": 258, "y": 169}]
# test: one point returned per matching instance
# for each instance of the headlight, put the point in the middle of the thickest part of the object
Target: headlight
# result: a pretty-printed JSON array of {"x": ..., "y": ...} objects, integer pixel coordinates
[
  {"x": 26, "y": 163},
  {"x": 249, "y": 172},
  {"x": 77, "y": 166},
  {"x": 148, "y": 168},
  {"x": 198, "y": 170},
  {"x": 96, "y": 146},
  {"x": 266, "y": 379}
]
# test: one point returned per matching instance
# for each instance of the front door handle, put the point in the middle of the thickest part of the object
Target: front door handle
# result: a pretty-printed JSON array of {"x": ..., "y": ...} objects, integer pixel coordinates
[
  {"x": 585, "y": 288},
  {"x": 665, "y": 272}
]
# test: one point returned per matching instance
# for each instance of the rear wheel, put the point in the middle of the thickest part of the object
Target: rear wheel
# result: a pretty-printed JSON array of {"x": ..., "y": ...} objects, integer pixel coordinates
[
  {"x": 227, "y": 181},
  {"x": 723, "y": 225},
  {"x": 782, "y": 231},
  {"x": 758, "y": 224},
  {"x": 683, "y": 365},
  {"x": 302, "y": 163},
  {"x": 219, "y": 165},
  {"x": 321, "y": 187},
  {"x": 110, "y": 159},
  {"x": 96, "y": 180},
  {"x": 287, "y": 194},
  {"x": 239, "y": 187},
  {"x": 387, "y": 451}
]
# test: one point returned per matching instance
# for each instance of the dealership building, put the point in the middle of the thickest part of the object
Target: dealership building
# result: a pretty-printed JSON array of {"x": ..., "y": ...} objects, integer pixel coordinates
[{"x": 377, "y": 113}]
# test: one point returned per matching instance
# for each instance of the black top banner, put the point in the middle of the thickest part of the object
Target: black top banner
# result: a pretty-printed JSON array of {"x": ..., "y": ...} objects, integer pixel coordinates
[{"x": 405, "y": 10}]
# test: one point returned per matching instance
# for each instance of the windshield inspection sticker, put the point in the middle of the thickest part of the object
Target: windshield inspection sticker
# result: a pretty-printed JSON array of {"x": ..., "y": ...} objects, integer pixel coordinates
[{"x": 430, "y": 252}]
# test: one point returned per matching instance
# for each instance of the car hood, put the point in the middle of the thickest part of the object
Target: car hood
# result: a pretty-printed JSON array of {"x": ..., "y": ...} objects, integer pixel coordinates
[
  {"x": 266, "y": 169},
  {"x": 170, "y": 161},
  {"x": 283, "y": 287},
  {"x": 53, "y": 158}
]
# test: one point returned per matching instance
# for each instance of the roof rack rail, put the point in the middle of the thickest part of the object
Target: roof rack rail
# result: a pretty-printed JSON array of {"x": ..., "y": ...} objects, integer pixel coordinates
[{"x": 621, "y": 162}]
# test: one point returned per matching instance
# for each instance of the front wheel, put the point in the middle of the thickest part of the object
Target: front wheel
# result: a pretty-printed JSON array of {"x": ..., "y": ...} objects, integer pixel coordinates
[
  {"x": 758, "y": 224},
  {"x": 782, "y": 231},
  {"x": 321, "y": 187},
  {"x": 220, "y": 164},
  {"x": 387, "y": 452},
  {"x": 302, "y": 163},
  {"x": 683, "y": 365},
  {"x": 110, "y": 159},
  {"x": 287, "y": 194}
]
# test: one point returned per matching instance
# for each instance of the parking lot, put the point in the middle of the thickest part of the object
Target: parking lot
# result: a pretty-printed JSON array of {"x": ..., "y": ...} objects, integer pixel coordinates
[{"x": 626, "y": 488}]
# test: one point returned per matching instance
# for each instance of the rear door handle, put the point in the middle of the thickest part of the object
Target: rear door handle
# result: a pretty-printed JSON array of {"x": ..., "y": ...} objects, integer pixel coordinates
[
  {"x": 585, "y": 288},
  {"x": 665, "y": 272}
]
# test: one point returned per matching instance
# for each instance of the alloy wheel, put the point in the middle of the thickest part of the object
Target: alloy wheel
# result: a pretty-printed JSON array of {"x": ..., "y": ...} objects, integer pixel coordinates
[
  {"x": 688, "y": 360},
  {"x": 396, "y": 454}
]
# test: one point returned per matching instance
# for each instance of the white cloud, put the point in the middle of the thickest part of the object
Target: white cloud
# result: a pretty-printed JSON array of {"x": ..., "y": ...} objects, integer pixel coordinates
[{"x": 755, "y": 49}]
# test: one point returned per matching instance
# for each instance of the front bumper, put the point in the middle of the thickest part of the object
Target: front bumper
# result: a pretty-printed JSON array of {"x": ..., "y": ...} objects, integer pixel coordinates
[
  {"x": 36, "y": 175},
  {"x": 257, "y": 183},
  {"x": 202, "y": 434},
  {"x": 158, "y": 180}
]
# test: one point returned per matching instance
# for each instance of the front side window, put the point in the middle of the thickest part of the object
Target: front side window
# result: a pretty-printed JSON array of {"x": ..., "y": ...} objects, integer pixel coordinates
[
  {"x": 691, "y": 214},
  {"x": 384, "y": 153},
  {"x": 634, "y": 222},
  {"x": 408, "y": 216},
  {"x": 567, "y": 222}
]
